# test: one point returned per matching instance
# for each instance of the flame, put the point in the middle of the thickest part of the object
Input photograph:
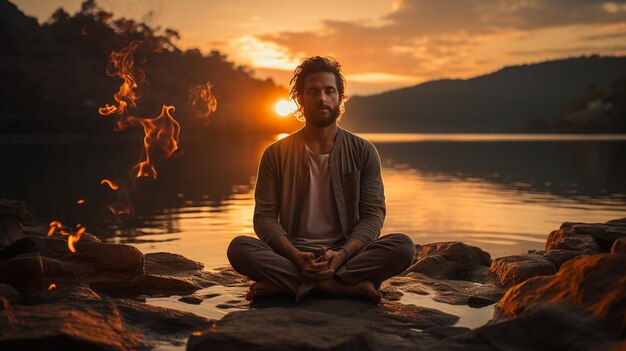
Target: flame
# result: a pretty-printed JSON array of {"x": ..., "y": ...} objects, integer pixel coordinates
[
  {"x": 80, "y": 202},
  {"x": 202, "y": 101},
  {"x": 54, "y": 225},
  {"x": 111, "y": 184},
  {"x": 52, "y": 287},
  {"x": 74, "y": 238},
  {"x": 122, "y": 64}
]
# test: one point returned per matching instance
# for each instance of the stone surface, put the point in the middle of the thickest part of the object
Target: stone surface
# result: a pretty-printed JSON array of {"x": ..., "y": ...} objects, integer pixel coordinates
[
  {"x": 567, "y": 239},
  {"x": 450, "y": 260},
  {"x": 558, "y": 256},
  {"x": 9, "y": 293},
  {"x": 619, "y": 246},
  {"x": 454, "y": 292},
  {"x": 168, "y": 263},
  {"x": 544, "y": 327},
  {"x": 10, "y": 231},
  {"x": 511, "y": 270},
  {"x": 604, "y": 234},
  {"x": 111, "y": 324},
  {"x": 595, "y": 283},
  {"x": 323, "y": 324},
  {"x": 12, "y": 209}
]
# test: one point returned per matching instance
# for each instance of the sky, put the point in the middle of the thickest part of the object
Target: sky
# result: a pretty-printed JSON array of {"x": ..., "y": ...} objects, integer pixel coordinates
[{"x": 384, "y": 44}]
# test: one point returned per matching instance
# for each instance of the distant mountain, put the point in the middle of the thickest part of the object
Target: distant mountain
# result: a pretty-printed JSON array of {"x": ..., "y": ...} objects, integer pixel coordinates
[{"x": 509, "y": 100}]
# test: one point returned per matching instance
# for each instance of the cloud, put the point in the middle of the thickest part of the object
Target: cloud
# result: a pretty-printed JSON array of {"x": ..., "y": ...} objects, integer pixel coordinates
[
  {"x": 616, "y": 49},
  {"x": 425, "y": 39}
]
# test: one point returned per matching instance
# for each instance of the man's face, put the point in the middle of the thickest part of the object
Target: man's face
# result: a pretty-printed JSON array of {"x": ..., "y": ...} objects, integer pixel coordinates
[{"x": 320, "y": 99}]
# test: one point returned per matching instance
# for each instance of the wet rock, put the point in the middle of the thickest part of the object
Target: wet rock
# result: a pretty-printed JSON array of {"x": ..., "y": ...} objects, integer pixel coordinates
[
  {"x": 511, "y": 270},
  {"x": 446, "y": 332},
  {"x": 566, "y": 239},
  {"x": 110, "y": 324},
  {"x": 544, "y": 327},
  {"x": 619, "y": 246},
  {"x": 455, "y": 292},
  {"x": 558, "y": 256},
  {"x": 9, "y": 293},
  {"x": 595, "y": 283},
  {"x": 450, "y": 260},
  {"x": 228, "y": 277},
  {"x": 323, "y": 324},
  {"x": 148, "y": 284},
  {"x": 604, "y": 234},
  {"x": 169, "y": 263},
  {"x": 10, "y": 231}
]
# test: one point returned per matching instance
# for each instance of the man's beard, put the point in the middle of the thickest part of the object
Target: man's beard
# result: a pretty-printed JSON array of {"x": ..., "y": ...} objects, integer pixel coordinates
[{"x": 319, "y": 121}]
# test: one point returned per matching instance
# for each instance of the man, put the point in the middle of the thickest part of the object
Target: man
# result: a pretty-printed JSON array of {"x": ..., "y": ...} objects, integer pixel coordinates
[{"x": 320, "y": 204}]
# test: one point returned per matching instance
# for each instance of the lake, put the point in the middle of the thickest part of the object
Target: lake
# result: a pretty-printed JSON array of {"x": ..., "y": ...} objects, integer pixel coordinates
[{"x": 504, "y": 193}]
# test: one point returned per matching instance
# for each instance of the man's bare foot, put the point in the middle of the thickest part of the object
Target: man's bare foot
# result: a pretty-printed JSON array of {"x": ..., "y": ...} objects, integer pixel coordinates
[
  {"x": 262, "y": 289},
  {"x": 364, "y": 289}
]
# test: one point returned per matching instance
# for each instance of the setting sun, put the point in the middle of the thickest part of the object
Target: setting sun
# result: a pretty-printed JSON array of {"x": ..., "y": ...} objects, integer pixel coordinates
[{"x": 285, "y": 107}]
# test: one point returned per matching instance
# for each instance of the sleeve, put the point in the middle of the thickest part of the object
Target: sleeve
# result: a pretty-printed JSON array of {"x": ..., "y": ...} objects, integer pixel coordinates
[
  {"x": 372, "y": 209},
  {"x": 267, "y": 199}
]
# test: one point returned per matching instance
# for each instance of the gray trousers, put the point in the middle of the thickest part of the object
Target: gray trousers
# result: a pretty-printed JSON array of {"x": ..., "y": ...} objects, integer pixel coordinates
[{"x": 385, "y": 257}]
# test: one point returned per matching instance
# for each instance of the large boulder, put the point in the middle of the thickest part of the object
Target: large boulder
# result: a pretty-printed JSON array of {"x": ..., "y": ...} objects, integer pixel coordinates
[
  {"x": 508, "y": 271},
  {"x": 595, "y": 283},
  {"x": 603, "y": 234},
  {"x": 451, "y": 260},
  {"x": 324, "y": 324}
]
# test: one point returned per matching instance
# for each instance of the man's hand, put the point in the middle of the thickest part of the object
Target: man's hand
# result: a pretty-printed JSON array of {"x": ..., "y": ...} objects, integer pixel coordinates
[
  {"x": 312, "y": 268},
  {"x": 335, "y": 259}
]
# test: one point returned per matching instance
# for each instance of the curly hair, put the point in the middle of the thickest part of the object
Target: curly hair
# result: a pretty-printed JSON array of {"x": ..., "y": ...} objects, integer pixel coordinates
[{"x": 311, "y": 65}]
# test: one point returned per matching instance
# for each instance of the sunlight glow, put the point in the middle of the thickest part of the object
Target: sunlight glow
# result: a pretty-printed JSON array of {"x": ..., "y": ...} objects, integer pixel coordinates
[{"x": 285, "y": 108}]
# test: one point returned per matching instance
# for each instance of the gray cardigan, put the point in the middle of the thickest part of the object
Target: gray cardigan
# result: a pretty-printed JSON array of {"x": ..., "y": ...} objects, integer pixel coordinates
[{"x": 283, "y": 180}]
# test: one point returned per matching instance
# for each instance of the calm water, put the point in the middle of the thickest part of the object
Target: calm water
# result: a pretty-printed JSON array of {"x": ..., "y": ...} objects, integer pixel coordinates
[{"x": 504, "y": 193}]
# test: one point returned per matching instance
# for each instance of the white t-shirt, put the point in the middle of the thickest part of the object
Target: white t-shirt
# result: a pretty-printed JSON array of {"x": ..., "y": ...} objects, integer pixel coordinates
[{"x": 319, "y": 222}]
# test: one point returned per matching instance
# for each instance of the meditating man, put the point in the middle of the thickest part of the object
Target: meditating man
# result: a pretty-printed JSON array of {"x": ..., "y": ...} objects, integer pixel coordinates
[{"x": 320, "y": 203}]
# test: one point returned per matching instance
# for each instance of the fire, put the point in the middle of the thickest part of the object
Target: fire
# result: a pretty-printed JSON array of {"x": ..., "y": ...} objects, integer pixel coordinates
[
  {"x": 52, "y": 287},
  {"x": 122, "y": 64},
  {"x": 202, "y": 101},
  {"x": 72, "y": 238},
  {"x": 111, "y": 184},
  {"x": 80, "y": 202},
  {"x": 54, "y": 225}
]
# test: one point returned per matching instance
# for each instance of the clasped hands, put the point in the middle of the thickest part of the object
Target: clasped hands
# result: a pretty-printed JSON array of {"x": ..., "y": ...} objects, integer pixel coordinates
[{"x": 322, "y": 267}]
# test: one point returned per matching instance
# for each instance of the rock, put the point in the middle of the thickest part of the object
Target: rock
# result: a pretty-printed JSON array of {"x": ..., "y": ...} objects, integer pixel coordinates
[
  {"x": 511, "y": 270},
  {"x": 9, "y": 293},
  {"x": 455, "y": 292},
  {"x": 619, "y": 246},
  {"x": 11, "y": 209},
  {"x": 110, "y": 324},
  {"x": 147, "y": 284},
  {"x": 566, "y": 239},
  {"x": 168, "y": 263},
  {"x": 544, "y": 327},
  {"x": 228, "y": 277},
  {"x": 449, "y": 260},
  {"x": 100, "y": 264},
  {"x": 323, "y": 324},
  {"x": 558, "y": 256},
  {"x": 595, "y": 283},
  {"x": 10, "y": 231},
  {"x": 603, "y": 234},
  {"x": 38, "y": 278}
]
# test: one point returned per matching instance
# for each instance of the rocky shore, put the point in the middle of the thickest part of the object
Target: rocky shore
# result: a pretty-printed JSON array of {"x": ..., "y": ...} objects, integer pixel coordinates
[{"x": 570, "y": 296}]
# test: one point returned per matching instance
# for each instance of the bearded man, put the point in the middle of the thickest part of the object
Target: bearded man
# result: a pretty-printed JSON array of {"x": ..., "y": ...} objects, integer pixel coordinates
[{"x": 320, "y": 203}]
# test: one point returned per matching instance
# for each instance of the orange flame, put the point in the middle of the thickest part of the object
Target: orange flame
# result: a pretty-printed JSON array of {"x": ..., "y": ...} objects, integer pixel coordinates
[
  {"x": 111, "y": 184},
  {"x": 54, "y": 225},
  {"x": 52, "y": 287},
  {"x": 80, "y": 202},
  {"x": 202, "y": 101},
  {"x": 122, "y": 64},
  {"x": 74, "y": 238}
]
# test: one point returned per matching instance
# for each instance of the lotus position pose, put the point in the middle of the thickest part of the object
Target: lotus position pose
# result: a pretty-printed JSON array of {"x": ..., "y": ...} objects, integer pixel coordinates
[{"x": 320, "y": 204}]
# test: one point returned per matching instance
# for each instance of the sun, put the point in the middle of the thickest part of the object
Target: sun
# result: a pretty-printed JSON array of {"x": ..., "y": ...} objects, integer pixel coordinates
[{"x": 285, "y": 107}]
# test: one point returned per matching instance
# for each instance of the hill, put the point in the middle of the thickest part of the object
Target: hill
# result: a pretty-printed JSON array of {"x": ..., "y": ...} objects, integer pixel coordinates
[{"x": 513, "y": 99}]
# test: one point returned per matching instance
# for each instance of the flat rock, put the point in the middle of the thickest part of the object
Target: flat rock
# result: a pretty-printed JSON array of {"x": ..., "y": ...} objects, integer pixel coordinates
[
  {"x": 165, "y": 263},
  {"x": 559, "y": 256},
  {"x": 568, "y": 239},
  {"x": 450, "y": 260},
  {"x": 323, "y": 324},
  {"x": 511, "y": 270},
  {"x": 604, "y": 234},
  {"x": 595, "y": 283},
  {"x": 454, "y": 292}
]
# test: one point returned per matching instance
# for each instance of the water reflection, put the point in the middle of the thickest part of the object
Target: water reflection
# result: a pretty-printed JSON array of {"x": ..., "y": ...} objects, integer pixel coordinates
[{"x": 504, "y": 196}]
